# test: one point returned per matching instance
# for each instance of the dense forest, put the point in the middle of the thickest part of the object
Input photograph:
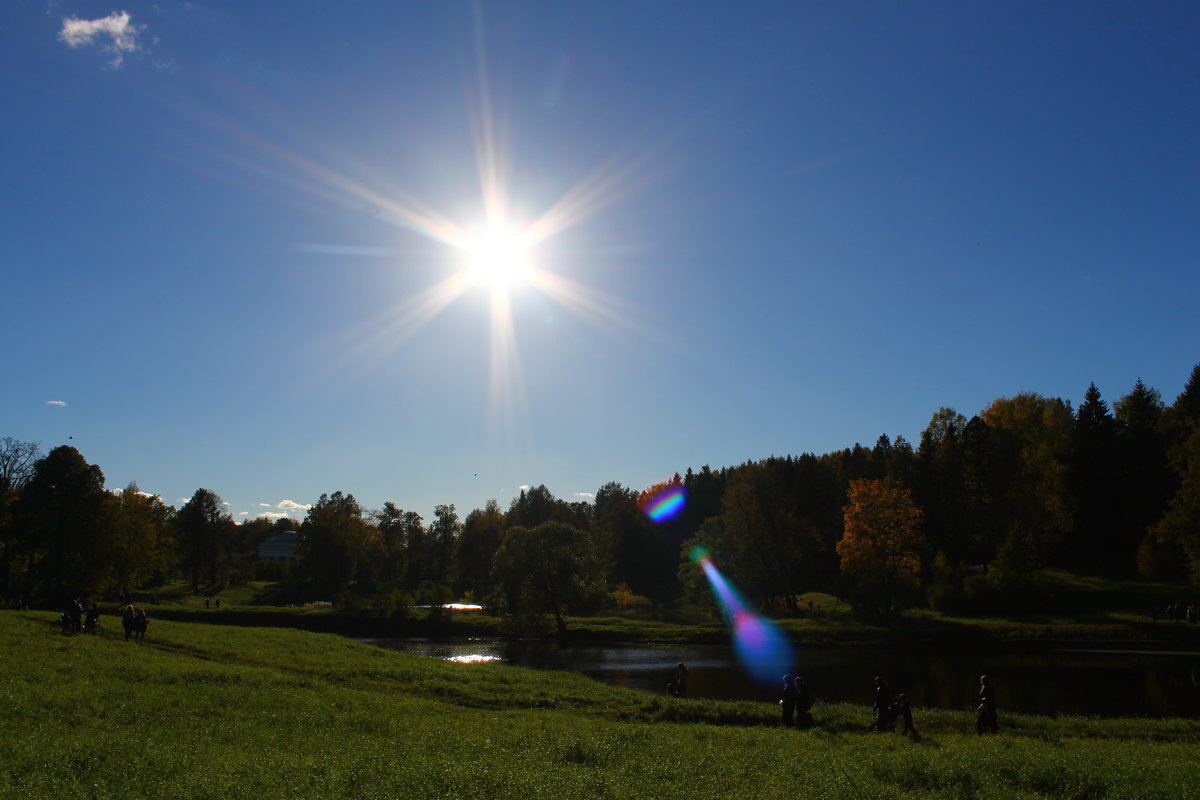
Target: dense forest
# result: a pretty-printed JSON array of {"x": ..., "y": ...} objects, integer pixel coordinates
[{"x": 964, "y": 521}]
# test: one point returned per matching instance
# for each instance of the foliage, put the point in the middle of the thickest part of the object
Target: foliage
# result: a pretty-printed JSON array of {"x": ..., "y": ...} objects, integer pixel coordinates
[
  {"x": 1181, "y": 524},
  {"x": 203, "y": 529},
  {"x": 339, "y": 546},
  {"x": 58, "y": 548},
  {"x": 548, "y": 569},
  {"x": 882, "y": 545},
  {"x": 1024, "y": 485}
]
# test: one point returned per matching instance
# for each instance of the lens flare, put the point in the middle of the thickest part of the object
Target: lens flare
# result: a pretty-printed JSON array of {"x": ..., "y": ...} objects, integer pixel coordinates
[
  {"x": 665, "y": 505},
  {"x": 762, "y": 648}
]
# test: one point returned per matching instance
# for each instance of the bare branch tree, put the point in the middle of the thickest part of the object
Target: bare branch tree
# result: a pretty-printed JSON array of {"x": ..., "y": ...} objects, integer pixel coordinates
[{"x": 16, "y": 462}]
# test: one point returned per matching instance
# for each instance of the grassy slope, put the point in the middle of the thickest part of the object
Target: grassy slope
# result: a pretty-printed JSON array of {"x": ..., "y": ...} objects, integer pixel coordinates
[{"x": 208, "y": 711}]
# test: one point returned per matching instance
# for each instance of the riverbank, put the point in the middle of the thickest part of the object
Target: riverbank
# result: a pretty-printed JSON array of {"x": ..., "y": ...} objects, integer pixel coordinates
[
  {"x": 1081, "y": 612},
  {"x": 914, "y": 629},
  {"x": 207, "y": 711}
]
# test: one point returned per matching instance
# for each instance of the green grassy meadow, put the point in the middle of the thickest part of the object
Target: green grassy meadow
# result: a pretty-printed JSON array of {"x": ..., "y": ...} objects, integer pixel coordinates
[{"x": 208, "y": 711}]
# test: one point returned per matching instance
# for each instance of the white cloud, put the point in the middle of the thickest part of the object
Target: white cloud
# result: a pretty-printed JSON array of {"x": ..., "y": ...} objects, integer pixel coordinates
[
  {"x": 115, "y": 35},
  {"x": 243, "y": 513},
  {"x": 524, "y": 487},
  {"x": 59, "y": 403},
  {"x": 265, "y": 505},
  {"x": 586, "y": 495},
  {"x": 272, "y": 515},
  {"x": 288, "y": 505},
  {"x": 183, "y": 500}
]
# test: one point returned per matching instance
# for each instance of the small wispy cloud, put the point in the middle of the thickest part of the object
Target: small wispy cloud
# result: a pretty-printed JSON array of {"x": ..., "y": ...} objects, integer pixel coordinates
[
  {"x": 243, "y": 513},
  {"x": 586, "y": 495},
  {"x": 272, "y": 515},
  {"x": 116, "y": 35},
  {"x": 265, "y": 505},
  {"x": 183, "y": 500},
  {"x": 288, "y": 505},
  {"x": 59, "y": 403},
  {"x": 524, "y": 487}
]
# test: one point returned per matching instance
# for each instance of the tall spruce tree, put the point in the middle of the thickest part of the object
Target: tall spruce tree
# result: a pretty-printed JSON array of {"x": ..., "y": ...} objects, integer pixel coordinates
[
  {"x": 1147, "y": 482},
  {"x": 1095, "y": 543}
]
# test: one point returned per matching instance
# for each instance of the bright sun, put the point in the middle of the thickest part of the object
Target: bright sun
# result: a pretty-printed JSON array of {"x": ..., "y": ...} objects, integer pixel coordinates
[{"x": 499, "y": 257}]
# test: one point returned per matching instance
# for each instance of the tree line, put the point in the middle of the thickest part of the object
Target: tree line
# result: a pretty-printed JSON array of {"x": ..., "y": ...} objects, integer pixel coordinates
[{"x": 964, "y": 521}]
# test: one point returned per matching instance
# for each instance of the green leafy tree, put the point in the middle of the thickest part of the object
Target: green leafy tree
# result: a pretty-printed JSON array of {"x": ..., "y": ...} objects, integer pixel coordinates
[
  {"x": 1031, "y": 448},
  {"x": 60, "y": 543},
  {"x": 137, "y": 539},
  {"x": 443, "y": 534},
  {"x": 551, "y": 569},
  {"x": 203, "y": 530},
  {"x": 882, "y": 545},
  {"x": 477, "y": 546},
  {"x": 390, "y": 521},
  {"x": 635, "y": 551},
  {"x": 339, "y": 546},
  {"x": 1180, "y": 525}
]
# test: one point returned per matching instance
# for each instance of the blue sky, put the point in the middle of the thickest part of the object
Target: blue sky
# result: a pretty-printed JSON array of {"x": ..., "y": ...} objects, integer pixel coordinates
[{"x": 755, "y": 228}]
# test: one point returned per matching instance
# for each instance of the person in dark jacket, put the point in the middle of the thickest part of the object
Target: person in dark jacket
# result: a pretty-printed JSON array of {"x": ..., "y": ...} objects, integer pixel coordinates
[{"x": 985, "y": 715}]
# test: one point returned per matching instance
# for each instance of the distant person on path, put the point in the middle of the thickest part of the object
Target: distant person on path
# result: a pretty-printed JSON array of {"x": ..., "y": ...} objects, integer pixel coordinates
[
  {"x": 140, "y": 623},
  {"x": 75, "y": 612},
  {"x": 678, "y": 685},
  {"x": 788, "y": 701},
  {"x": 127, "y": 621},
  {"x": 904, "y": 711},
  {"x": 985, "y": 715},
  {"x": 804, "y": 701},
  {"x": 880, "y": 708}
]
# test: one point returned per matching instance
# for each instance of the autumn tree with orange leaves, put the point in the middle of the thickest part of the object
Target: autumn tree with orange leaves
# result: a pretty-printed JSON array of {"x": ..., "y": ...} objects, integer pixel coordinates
[{"x": 881, "y": 548}]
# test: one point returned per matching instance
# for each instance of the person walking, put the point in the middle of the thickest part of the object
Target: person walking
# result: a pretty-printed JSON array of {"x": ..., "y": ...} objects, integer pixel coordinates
[
  {"x": 881, "y": 708},
  {"x": 985, "y": 715},
  {"x": 679, "y": 683},
  {"x": 904, "y": 711},
  {"x": 140, "y": 623},
  {"x": 788, "y": 701},
  {"x": 127, "y": 621},
  {"x": 804, "y": 701}
]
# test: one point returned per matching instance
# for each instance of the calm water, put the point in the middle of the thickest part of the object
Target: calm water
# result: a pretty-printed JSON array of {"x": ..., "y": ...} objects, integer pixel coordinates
[{"x": 1089, "y": 683}]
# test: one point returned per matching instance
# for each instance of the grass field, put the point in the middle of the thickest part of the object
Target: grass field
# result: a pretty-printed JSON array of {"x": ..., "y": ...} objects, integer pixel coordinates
[{"x": 206, "y": 711}]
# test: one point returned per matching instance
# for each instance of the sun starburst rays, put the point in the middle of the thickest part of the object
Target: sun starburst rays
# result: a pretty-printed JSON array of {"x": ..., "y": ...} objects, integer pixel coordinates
[{"x": 502, "y": 252}]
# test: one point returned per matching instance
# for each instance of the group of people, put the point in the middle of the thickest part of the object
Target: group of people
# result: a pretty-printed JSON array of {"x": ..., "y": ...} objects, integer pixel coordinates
[
  {"x": 75, "y": 620},
  {"x": 797, "y": 700},
  {"x": 887, "y": 709},
  {"x": 1179, "y": 612},
  {"x": 135, "y": 622}
]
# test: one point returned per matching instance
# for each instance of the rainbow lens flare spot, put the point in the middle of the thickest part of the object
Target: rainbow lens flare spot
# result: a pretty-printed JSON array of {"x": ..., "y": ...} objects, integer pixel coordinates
[
  {"x": 763, "y": 649},
  {"x": 665, "y": 505}
]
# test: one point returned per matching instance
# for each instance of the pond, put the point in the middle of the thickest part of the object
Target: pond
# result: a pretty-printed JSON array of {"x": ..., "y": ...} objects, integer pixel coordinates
[{"x": 1108, "y": 683}]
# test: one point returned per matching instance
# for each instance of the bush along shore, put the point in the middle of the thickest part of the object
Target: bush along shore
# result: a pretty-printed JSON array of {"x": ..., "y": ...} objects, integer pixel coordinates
[{"x": 211, "y": 711}]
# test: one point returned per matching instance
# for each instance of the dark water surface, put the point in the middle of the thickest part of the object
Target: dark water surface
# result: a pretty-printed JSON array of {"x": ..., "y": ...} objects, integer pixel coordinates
[{"x": 1105, "y": 683}]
